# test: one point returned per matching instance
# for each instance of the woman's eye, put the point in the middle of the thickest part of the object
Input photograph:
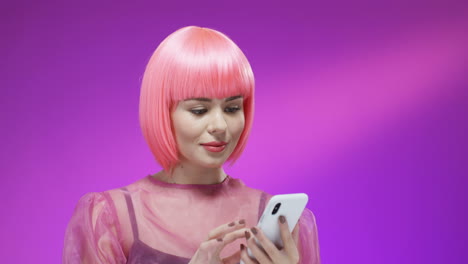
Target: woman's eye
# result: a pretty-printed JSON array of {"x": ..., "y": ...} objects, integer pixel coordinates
[
  {"x": 202, "y": 111},
  {"x": 232, "y": 109},
  {"x": 198, "y": 111}
]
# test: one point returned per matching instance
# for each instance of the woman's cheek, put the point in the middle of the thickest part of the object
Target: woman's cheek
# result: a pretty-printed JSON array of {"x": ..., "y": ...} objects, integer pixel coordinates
[{"x": 240, "y": 127}]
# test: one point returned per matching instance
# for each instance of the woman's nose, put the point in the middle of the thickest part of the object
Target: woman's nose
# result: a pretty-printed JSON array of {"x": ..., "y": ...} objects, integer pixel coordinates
[{"x": 217, "y": 123}]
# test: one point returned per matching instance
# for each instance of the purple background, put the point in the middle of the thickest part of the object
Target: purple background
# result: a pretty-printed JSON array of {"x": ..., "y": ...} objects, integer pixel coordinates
[{"x": 361, "y": 105}]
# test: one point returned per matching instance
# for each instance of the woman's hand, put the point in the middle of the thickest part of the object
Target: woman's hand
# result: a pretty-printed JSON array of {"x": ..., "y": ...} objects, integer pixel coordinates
[
  {"x": 218, "y": 238},
  {"x": 270, "y": 254}
]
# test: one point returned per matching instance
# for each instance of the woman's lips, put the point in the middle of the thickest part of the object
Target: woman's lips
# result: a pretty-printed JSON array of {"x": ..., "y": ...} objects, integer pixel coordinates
[{"x": 214, "y": 148}]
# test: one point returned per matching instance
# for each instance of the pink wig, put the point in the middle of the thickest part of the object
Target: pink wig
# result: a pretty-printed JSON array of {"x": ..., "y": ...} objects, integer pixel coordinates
[{"x": 192, "y": 62}]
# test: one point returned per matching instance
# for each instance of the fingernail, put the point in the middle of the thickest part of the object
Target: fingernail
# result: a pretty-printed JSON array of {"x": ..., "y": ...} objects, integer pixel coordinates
[
  {"x": 219, "y": 239},
  {"x": 242, "y": 246},
  {"x": 247, "y": 234},
  {"x": 254, "y": 230},
  {"x": 282, "y": 219},
  {"x": 241, "y": 222},
  {"x": 231, "y": 224}
]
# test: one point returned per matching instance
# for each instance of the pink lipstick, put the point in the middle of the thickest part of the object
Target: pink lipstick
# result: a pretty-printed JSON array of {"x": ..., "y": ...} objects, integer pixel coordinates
[{"x": 215, "y": 146}]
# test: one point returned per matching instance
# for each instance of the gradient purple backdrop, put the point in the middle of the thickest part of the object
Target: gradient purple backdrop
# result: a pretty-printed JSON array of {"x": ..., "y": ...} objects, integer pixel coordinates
[{"x": 361, "y": 105}]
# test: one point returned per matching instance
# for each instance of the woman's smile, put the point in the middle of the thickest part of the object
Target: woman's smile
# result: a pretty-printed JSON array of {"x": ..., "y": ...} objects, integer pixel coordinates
[{"x": 213, "y": 148}]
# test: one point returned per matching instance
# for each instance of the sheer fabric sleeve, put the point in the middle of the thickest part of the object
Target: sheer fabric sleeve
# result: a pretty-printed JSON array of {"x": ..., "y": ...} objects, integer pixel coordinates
[
  {"x": 93, "y": 233},
  {"x": 308, "y": 239}
]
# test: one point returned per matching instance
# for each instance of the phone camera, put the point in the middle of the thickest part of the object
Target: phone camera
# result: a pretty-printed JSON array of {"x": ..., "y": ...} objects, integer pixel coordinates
[{"x": 277, "y": 207}]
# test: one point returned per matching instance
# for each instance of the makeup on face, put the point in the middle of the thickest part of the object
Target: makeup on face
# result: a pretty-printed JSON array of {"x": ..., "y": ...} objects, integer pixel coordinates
[
  {"x": 213, "y": 148},
  {"x": 207, "y": 130},
  {"x": 200, "y": 106}
]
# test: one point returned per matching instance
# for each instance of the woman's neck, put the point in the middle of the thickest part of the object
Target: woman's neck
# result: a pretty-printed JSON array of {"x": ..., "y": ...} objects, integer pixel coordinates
[{"x": 186, "y": 173}]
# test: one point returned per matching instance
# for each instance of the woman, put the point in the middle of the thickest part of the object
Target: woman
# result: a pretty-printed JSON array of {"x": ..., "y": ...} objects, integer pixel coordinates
[{"x": 196, "y": 111}]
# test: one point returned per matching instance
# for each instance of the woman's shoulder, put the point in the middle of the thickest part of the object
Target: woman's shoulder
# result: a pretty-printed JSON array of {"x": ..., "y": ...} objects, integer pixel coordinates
[
  {"x": 97, "y": 204},
  {"x": 307, "y": 216},
  {"x": 119, "y": 193},
  {"x": 97, "y": 215},
  {"x": 110, "y": 207},
  {"x": 111, "y": 200},
  {"x": 239, "y": 183}
]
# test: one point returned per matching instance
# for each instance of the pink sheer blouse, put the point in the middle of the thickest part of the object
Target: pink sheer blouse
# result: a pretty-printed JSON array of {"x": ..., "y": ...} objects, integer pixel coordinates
[{"x": 151, "y": 221}]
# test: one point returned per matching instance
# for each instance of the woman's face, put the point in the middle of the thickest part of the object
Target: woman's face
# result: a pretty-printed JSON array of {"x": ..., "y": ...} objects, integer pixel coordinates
[{"x": 199, "y": 121}]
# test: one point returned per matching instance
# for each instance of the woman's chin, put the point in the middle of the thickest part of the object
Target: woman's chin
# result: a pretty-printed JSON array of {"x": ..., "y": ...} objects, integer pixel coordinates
[
  {"x": 207, "y": 162},
  {"x": 216, "y": 165},
  {"x": 213, "y": 164}
]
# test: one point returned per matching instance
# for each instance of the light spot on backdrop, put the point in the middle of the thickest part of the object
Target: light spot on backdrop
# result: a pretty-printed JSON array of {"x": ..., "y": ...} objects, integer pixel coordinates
[{"x": 319, "y": 114}]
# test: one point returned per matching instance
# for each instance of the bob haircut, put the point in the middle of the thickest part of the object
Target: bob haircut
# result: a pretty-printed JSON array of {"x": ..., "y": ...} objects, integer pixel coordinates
[{"x": 192, "y": 62}]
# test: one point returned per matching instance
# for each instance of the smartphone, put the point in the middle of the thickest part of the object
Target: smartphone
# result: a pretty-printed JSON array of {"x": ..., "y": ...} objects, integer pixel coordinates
[{"x": 288, "y": 205}]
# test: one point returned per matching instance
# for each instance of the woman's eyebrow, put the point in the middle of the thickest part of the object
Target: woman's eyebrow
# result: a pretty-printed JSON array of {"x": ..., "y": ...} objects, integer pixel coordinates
[{"x": 209, "y": 100}]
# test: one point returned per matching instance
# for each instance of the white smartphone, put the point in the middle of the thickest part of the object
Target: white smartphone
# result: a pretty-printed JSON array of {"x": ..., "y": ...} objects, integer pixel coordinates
[{"x": 290, "y": 206}]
